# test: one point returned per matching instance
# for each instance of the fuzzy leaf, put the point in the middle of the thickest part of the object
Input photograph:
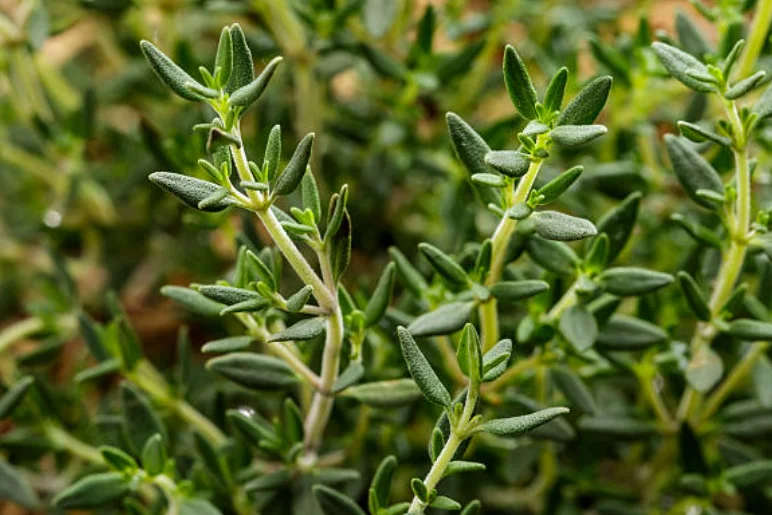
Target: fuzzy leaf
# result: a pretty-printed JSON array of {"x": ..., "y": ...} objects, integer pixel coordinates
[
  {"x": 618, "y": 224},
  {"x": 230, "y": 344},
  {"x": 379, "y": 301},
  {"x": 555, "y": 256},
  {"x": 192, "y": 300},
  {"x": 557, "y": 226},
  {"x": 444, "y": 264},
  {"x": 625, "y": 281},
  {"x": 243, "y": 71},
  {"x": 191, "y": 191},
  {"x": 693, "y": 171},
  {"x": 578, "y": 327},
  {"x": 384, "y": 394},
  {"x": 496, "y": 360},
  {"x": 446, "y": 319},
  {"x": 745, "y": 86},
  {"x": 421, "y": 371},
  {"x": 247, "y": 95},
  {"x": 573, "y": 136},
  {"x": 254, "y": 371},
  {"x": 585, "y": 107},
  {"x": 518, "y": 290},
  {"x": 227, "y": 295},
  {"x": 624, "y": 332},
  {"x": 518, "y": 83},
  {"x": 293, "y": 173},
  {"x": 518, "y": 426},
  {"x": 684, "y": 67},
  {"x": 169, "y": 73},
  {"x": 412, "y": 278},
  {"x": 694, "y": 296},
  {"x": 751, "y": 329},
  {"x": 93, "y": 491},
  {"x": 508, "y": 162},
  {"x": 557, "y": 186},
  {"x": 306, "y": 329}
]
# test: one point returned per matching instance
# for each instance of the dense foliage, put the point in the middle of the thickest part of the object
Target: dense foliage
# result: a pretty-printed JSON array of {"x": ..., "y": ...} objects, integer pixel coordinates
[{"x": 342, "y": 257}]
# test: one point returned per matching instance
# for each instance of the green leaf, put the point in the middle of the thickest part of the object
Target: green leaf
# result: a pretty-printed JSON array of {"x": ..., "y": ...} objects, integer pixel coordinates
[
  {"x": 705, "y": 369},
  {"x": 554, "y": 256},
  {"x": 92, "y": 337},
  {"x": 460, "y": 467},
  {"x": 293, "y": 173},
  {"x": 557, "y": 226},
  {"x": 763, "y": 106},
  {"x": 351, "y": 375},
  {"x": 574, "y": 389},
  {"x": 254, "y": 371},
  {"x": 104, "y": 368},
  {"x": 690, "y": 36},
  {"x": 471, "y": 150},
  {"x": 446, "y": 319},
  {"x": 685, "y": 68},
  {"x": 551, "y": 191},
  {"x": 585, "y": 107},
  {"x": 573, "y": 136},
  {"x": 310, "y": 196},
  {"x": 422, "y": 371},
  {"x": 15, "y": 488},
  {"x": 436, "y": 443},
  {"x": 508, "y": 162},
  {"x": 518, "y": 426},
  {"x": 210, "y": 457},
  {"x": 378, "y": 16},
  {"x": 578, "y": 327},
  {"x": 140, "y": 421},
  {"x": 197, "y": 507},
  {"x": 230, "y": 344},
  {"x": 154, "y": 455},
  {"x": 228, "y": 295},
  {"x": 243, "y": 68},
  {"x": 384, "y": 394},
  {"x": 169, "y": 73},
  {"x": 252, "y": 429},
  {"x": 247, "y": 95},
  {"x": 412, "y": 278},
  {"x": 751, "y": 329},
  {"x": 192, "y": 301},
  {"x": 473, "y": 508},
  {"x": 694, "y": 296},
  {"x": 616, "y": 426},
  {"x": 269, "y": 482},
  {"x": 333, "y": 502},
  {"x": 381, "y": 484},
  {"x": 442, "y": 502},
  {"x": 518, "y": 290},
  {"x": 93, "y": 491},
  {"x": 618, "y": 224},
  {"x": 306, "y": 329},
  {"x": 553, "y": 98},
  {"x": 272, "y": 155},
  {"x": 297, "y": 300},
  {"x": 496, "y": 360},
  {"x": 596, "y": 258},
  {"x": 340, "y": 248},
  {"x": 336, "y": 213},
  {"x": 191, "y": 191},
  {"x": 469, "y": 354},
  {"x": 518, "y": 83},
  {"x": 224, "y": 57},
  {"x": 698, "y": 134},
  {"x": 444, "y": 264},
  {"x": 762, "y": 381},
  {"x": 626, "y": 281},
  {"x": 489, "y": 179},
  {"x": 611, "y": 58},
  {"x": 693, "y": 171},
  {"x": 14, "y": 395},
  {"x": 745, "y": 86},
  {"x": 749, "y": 474},
  {"x": 118, "y": 459},
  {"x": 379, "y": 301},
  {"x": 624, "y": 332}
]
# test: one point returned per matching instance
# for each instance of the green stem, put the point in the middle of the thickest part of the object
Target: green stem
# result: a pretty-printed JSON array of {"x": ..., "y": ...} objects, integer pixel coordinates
[
  {"x": 756, "y": 39},
  {"x": 64, "y": 441},
  {"x": 733, "y": 259},
  {"x": 566, "y": 301},
  {"x": 489, "y": 317},
  {"x": 733, "y": 380},
  {"x": 646, "y": 380}
]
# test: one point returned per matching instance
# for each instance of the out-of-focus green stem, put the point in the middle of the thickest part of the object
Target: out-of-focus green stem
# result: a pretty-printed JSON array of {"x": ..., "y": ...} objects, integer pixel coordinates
[{"x": 756, "y": 38}]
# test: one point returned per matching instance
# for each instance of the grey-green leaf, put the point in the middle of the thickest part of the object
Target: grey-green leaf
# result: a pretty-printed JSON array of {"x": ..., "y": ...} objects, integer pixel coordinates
[
  {"x": 573, "y": 136},
  {"x": 623, "y": 332},
  {"x": 444, "y": 264},
  {"x": 518, "y": 426},
  {"x": 446, "y": 319},
  {"x": 508, "y": 162},
  {"x": 93, "y": 491},
  {"x": 15, "y": 488},
  {"x": 518, "y": 83},
  {"x": 684, "y": 67},
  {"x": 168, "y": 72},
  {"x": 193, "y": 300},
  {"x": 625, "y": 281},
  {"x": 379, "y": 300},
  {"x": 557, "y": 186},
  {"x": 748, "y": 329},
  {"x": 518, "y": 290},
  {"x": 293, "y": 173},
  {"x": 247, "y": 95},
  {"x": 557, "y": 226},
  {"x": 421, "y": 371},
  {"x": 585, "y": 107},
  {"x": 333, "y": 502},
  {"x": 14, "y": 396},
  {"x": 693, "y": 171},
  {"x": 190, "y": 190},
  {"x": 243, "y": 68},
  {"x": 574, "y": 389},
  {"x": 384, "y": 394},
  {"x": 705, "y": 369},
  {"x": 254, "y": 371},
  {"x": 304, "y": 330},
  {"x": 579, "y": 327}
]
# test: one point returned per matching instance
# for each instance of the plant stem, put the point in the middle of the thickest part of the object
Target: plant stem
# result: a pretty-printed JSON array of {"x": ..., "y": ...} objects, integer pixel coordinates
[
  {"x": 455, "y": 438},
  {"x": 63, "y": 440},
  {"x": 756, "y": 38},
  {"x": 734, "y": 257},
  {"x": 29, "y": 327},
  {"x": 566, "y": 301},
  {"x": 489, "y": 318},
  {"x": 646, "y": 380},
  {"x": 150, "y": 380},
  {"x": 733, "y": 380}
]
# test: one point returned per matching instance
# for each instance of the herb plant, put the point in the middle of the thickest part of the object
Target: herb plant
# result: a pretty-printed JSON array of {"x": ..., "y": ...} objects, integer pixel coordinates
[{"x": 574, "y": 318}]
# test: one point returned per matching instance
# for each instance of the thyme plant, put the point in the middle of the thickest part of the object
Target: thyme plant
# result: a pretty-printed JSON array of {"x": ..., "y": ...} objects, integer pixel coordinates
[{"x": 570, "y": 338}]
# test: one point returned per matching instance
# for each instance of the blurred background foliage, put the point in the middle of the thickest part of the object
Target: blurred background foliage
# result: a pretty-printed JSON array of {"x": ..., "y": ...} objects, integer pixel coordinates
[{"x": 83, "y": 122}]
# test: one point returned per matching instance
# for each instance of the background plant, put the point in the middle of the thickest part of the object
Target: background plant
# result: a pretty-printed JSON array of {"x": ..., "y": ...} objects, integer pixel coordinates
[{"x": 652, "y": 330}]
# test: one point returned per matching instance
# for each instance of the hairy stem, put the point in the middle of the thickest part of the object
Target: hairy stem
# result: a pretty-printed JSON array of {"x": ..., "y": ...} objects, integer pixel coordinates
[{"x": 489, "y": 318}]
